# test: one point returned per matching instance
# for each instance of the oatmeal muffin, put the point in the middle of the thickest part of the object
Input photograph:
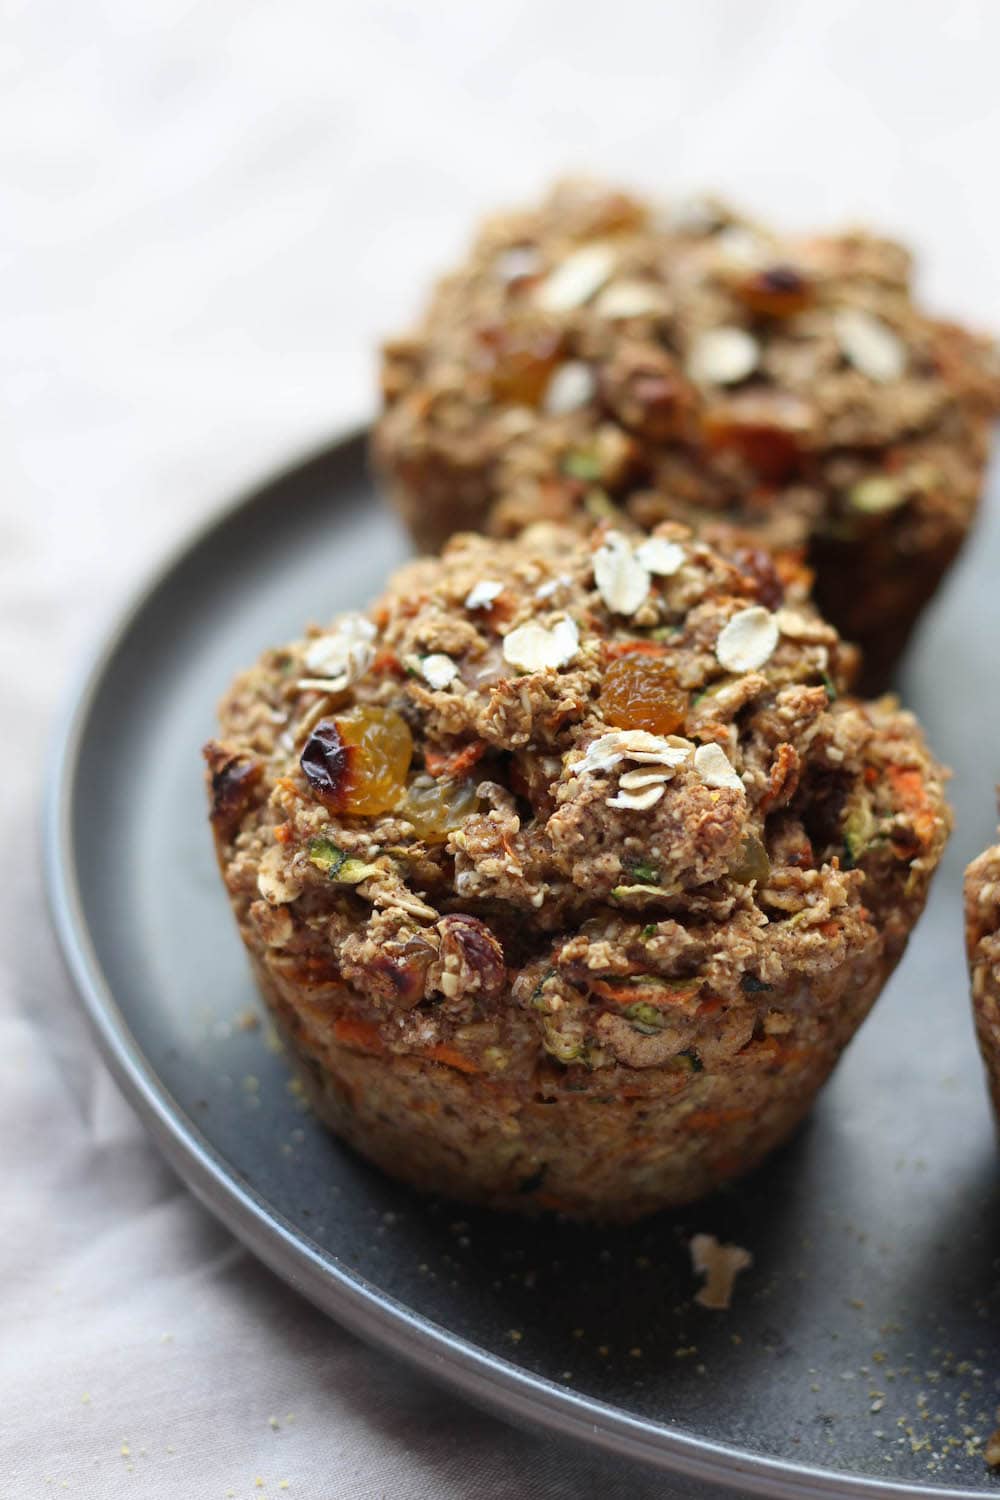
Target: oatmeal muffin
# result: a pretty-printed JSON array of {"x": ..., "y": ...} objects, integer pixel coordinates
[
  {"x": 982, "y": 941},
  {"x": 598, "y": 355},
  {"x": 569, "y": 870}
]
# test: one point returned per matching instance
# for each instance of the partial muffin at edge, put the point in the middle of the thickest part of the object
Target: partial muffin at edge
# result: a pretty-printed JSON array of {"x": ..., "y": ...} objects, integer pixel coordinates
[
  {"x": 982, "y": 942},
  {"x": 568, "y": 870}
]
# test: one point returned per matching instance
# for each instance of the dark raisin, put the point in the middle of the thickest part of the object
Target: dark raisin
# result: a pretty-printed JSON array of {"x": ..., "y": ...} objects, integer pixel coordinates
[
  {"x": 232, "y": 779},
  {"x": 325, "y": 760}
]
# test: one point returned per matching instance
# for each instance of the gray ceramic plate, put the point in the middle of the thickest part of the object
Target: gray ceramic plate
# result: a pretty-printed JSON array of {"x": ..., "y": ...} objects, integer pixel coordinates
[{"x": 861, "y": 1353}]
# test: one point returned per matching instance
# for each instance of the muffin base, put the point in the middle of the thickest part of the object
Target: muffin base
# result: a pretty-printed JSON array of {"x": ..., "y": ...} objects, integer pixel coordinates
[{"x": 543, "y": 1144}]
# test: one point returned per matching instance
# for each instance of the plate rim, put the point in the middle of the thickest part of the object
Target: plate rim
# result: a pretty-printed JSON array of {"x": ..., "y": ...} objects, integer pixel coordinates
[{"x": 486, "y": 1379}]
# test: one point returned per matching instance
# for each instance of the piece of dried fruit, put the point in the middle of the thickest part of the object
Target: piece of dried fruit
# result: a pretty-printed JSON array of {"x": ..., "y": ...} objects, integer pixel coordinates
[
  {"x": 436, "y": 808},
  {"x": 747, "y": 641},
  {"x": 470, "y": 960},
  {"x": 769, "y": 429},
  {"x": 520, "y": 362},
  {"x": 357, "y": 762},
  {"x": 235, "y": 778},
  {"x": 776, "y": 291},
  {"x": 642, "y": 692}
]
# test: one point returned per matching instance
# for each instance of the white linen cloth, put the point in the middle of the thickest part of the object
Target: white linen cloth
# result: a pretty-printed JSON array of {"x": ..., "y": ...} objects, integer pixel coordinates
[{"x": 207, "y": 216}]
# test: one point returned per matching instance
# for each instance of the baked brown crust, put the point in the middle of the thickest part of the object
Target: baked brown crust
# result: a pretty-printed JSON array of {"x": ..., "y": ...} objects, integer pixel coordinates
[
  {"x": 592, "y": 947},
  {"x": 982, "y": 941},
  {"x": 599, "y": 353}
]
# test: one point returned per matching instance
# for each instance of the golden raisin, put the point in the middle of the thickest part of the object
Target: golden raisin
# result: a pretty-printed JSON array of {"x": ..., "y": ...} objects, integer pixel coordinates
[
  {"x": 520, "y": 362},
  {"x": 769, "y": 429},
  {"x": 642, "y": 692},
  {"x": 357, "y": 763},
  {"x": 436, "y": 809}
]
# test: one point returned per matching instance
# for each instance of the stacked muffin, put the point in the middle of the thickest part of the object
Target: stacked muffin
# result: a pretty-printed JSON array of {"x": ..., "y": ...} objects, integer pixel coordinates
[{"x": 603, "y": 356}]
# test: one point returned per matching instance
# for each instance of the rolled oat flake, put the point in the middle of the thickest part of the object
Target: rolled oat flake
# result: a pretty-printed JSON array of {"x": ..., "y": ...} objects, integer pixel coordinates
[
  {"x": 576, "y": 279},
  {"x": 869, "y": 344},
  {"x": 715, "y": 769},
  {"x": 747, "y": 641},
  {"x": 571, "y": 387},
  {"x": 622, "y": 581},
  {"x": 533, "y": 648},
  {"x": 438, "y": 670},
  {"x": 723, "y": 356}
]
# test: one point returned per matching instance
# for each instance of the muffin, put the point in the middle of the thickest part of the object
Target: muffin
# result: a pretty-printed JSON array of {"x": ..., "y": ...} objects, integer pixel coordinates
[
  {"x": 598, "y": 355},
  {"x": 569, "y": 870},
  {"x": 982, "y": 941}
]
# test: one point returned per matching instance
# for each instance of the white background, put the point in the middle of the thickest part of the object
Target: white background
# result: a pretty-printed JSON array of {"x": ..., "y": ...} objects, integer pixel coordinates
[{"x": 208, "y": 215}]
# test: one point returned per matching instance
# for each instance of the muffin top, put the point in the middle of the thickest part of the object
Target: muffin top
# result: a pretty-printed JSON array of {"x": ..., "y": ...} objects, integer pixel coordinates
[
  {"x": 568, "y": 776},
  {"x": 599, "y": 349}
]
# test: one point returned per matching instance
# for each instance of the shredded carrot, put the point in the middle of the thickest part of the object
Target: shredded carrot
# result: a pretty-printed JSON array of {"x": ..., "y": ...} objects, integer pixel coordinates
[
  {"x": 352, "y": 1031},
  {"x": 454, "y": 762},
  {"x": 386, "y": 661},
  {"x": 452, "y": 1058},
  {"x": 911, "y": 796},
  {"x": 631, "y": 991},
  {"x": 614, "y": 649},
  {"x": 710, "y": 1005},
  {"x": 288, "y": 785},
  {"x": 283, "y": 833},
  {"x": 831, "y": 928}
]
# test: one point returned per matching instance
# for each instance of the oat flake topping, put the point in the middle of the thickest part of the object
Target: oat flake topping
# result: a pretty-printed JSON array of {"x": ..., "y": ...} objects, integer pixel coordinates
[
  {"x": 344, "y": 654},
  {"x": 622, "y": 581},
  {"x": 720, "y": 1265},
  {"x": 438, "y": 670},
  {"x": 483, "y": 593},
  {"x": 723, "y": 356},
  {"x": 712, "y": 764},
  {"x": 747, "y": 641},
  {"x": 631, "y": 299},
  {"x": 870, "y": 345},
  {"x": 575, "y": 281},
  {"x": 633, "y": 744},
  {"x": 659, "y": 556},
  {"x": 533, "y": 648},
  {"x": 572, "y": 386}
]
